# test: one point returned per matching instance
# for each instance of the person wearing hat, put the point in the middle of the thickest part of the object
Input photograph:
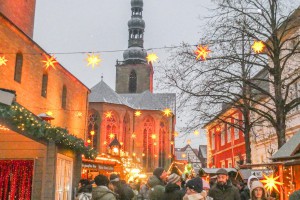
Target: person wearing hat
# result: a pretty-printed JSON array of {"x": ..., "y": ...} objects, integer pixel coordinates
[
  {"x": 161, "y": 174},
  {"x": 101, "y": 192},
  {"x": 194, "y": 190},
  {"x": 172, "y": 190},
  {"x": 122, "y": 189},
  {"x": 224, "y": 190},
  {"x": 85, "y": 190},
  {"x": 257, "y": 191}
]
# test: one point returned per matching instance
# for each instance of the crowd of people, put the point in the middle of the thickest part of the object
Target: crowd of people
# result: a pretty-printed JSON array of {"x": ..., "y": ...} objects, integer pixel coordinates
[{"x": 160, "y": 186}]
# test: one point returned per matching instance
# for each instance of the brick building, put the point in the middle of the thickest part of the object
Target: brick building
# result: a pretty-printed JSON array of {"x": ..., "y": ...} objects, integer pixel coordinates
[
  {"x": 48, "y": 157},
  {"x": 226, "y": 144}
]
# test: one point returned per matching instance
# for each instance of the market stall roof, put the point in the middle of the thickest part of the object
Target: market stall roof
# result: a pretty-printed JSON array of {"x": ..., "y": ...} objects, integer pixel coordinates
[
  {"x": 290, "y": 150},
  {"x": 246, "y": 173},
  {"x": 214, "y": 170}
]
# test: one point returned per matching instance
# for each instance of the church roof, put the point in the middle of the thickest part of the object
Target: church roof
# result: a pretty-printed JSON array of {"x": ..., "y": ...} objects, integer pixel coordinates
[{"x": 102, "y": 93}]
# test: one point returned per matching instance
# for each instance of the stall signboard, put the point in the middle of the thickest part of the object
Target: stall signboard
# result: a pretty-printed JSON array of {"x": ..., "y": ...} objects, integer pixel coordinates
[
  {"x": 97, "y": 166},
  {"x": 259, "y": 173}
]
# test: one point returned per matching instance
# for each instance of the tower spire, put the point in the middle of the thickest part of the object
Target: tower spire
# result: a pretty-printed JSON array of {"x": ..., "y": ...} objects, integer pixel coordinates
[{"x": 136, "y": 53}]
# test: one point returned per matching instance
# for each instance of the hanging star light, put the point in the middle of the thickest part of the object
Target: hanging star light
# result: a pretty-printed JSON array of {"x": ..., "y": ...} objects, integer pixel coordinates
[
  {"x": 167, "y": 112},
  {"x": 93, "y": 60},
  {"x": 189, "y": 141},
  {"x": 152, "y": 57},
  {"x": 196, "y": 132},
  {"x": 271, "y": 182},
  {"x": 111, "y": 136},
  {"x": 133, "y": 135},
  {"x": 138, "y": 113},
  {"x": 202, "y": 52},
  {"x": 49, "y": 61},
  {"x": 3, "y": 60},
  {"x": 108, "y": 114},
  {"x": 176, "y": 134},
  {"x": 258, "y": 46}
]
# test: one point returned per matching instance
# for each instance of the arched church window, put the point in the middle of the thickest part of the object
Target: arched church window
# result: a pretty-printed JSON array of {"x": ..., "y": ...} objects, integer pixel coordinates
[
  {"x": 126, "y": 135},
  {"x": 163, "y": 130},
  {"x": 93, "y": 126},
  {"x": 132, "y": 82},
  {"x": 148, "y": 150},
  {"x": 111, "y": 128}
]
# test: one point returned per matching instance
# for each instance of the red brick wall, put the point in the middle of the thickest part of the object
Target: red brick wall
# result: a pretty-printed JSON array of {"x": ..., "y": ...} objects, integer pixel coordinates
[
  {"x": 21, "y": 13},
  {"x": 29, "y": 90}
]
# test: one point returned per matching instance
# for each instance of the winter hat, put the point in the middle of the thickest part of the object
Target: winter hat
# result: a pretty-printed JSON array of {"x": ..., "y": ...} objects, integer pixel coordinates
[
  {"x": 222, "y": 171},
  {"x": 101, "y": 180},
  {"x": 173, "y": 178},
  {"x": 158, "y": 172},
  {"x": 257, "y": 184},
  {"x": 153, "y": 181},
  {"x": 249, "y": 180},
  {"x": 195, "y": 184},
  {"x": 114, "y": 178}
]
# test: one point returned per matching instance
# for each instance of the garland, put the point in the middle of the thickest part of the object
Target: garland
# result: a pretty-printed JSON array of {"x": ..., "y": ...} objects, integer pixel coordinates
[{"x": 23, "y": 120}]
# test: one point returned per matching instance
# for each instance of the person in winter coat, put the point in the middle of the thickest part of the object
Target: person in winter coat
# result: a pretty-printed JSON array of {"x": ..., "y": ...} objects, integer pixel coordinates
[
  {"x": 172, "y": 190},
  {"x": 144, "y": 191},
  {"x": 85, "y": 190},
  {"x": 245, "y": 195},
  {"x": 122, "y": 189},
  {"x": 224, "y": 190},
  {"x": 194, "y": 190},
  {"x": 161, "y": 174},
  {"x": 101, "y": 192},
  {"x": 157, "y": 188},
  {"x": 257, "y": 191},
  {"x": 295, "y": 195}
]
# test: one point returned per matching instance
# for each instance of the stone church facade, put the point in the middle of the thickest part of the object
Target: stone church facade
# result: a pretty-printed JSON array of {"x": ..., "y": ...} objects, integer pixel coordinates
[{"x": 133, "y": 113}]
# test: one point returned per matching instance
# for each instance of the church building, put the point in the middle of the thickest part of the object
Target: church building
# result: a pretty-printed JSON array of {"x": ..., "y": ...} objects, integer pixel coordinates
[{"x": 142, "y": 121}]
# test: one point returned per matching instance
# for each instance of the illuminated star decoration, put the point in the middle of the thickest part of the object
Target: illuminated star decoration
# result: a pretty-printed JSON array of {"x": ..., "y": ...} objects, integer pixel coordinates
[
  {"x": 271, "y": 183},
  {"x": 108, "y": 114},
  {"x": 202, "y": 52},
  {"x": 167, "y": 112},
  {"x": 176, "y": 134},
  {"x": 196, "y": 132},
  {"x": 93, "y": 60},
  {"x": 189, "y": 141},
  {"x": 3, "y": 60},
  {"x": 137, "y": 113},
  {"x": 49, "y": 61},
  {"x": 133, "y": 135},
  {"x": 258, "y": 46},
  {"x": 111, "y": 136},
  {"x": 152, "y": 57}
]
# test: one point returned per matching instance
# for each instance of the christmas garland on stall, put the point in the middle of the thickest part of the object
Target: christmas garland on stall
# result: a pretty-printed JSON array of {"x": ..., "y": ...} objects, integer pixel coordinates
[{"x": 22, "y": 119}]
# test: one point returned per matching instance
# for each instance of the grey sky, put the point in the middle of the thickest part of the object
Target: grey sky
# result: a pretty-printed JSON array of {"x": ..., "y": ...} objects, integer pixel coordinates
[{"x": 63, "y": 26}]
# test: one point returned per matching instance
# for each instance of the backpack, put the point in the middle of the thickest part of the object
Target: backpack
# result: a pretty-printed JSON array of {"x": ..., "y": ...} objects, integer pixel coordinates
[{"x": 84, "y": 196}]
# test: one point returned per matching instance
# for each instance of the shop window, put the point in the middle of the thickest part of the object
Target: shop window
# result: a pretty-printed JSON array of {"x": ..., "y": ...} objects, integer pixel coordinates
[{"x": 64, "y": 171}]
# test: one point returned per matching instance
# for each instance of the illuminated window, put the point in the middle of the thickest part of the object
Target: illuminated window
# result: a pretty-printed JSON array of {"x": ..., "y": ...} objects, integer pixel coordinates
[
  {"x": 64, "y": 97},
  {"x": 148, "y": 150},
  {"x": 18, "y": 67},
  {"x": 93, "y": 125},
  {"x": 44, "y": 85},
  {"x": 132, "y": 82},
  {"x": 111, "y": 127}
]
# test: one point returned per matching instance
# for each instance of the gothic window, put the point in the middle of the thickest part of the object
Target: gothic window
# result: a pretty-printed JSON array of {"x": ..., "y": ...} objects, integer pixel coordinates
[
  {"x": 93, "y": 125},
  {"x": 64, "y": 97},
  {"x": 111, "y": 128},
  {"x": 148, "y": 150},
  {"x": 126, "y": 134},
  {"x": 18, "y": 67},
  {"x": 162, "y": 143},
  {"x": 44, "y": 85},
  {"x": 132, "y": 82}
]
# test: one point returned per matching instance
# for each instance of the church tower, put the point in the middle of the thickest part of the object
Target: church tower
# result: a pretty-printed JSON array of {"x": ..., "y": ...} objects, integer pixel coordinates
[
  {"x": 134, "y": 74},
  {"x": 21, "y": 13}
]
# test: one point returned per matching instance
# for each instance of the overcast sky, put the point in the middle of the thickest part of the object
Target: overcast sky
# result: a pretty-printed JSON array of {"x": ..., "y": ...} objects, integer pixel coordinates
[{"x": 66, "y": 26}]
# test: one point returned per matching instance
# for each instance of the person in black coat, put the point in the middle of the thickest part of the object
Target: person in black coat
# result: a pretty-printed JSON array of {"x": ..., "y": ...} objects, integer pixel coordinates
[{"x": 172, "y": 190}]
